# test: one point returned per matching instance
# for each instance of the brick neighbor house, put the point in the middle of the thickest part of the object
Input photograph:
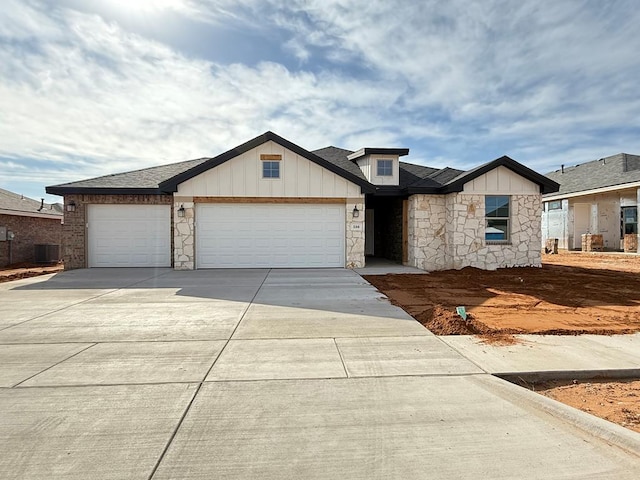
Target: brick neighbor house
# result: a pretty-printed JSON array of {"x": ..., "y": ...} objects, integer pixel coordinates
[
  {"x": 24, "y": 223},
  {"x": 270, "y": 203}
]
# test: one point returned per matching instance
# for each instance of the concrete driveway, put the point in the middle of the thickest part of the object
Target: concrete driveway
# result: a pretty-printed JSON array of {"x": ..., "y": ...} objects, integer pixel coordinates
[{"x": 152, "y": 373}]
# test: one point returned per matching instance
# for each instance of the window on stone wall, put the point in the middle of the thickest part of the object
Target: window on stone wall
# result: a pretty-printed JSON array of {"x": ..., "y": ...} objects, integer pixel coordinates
[{"x": 497, "y": 218}]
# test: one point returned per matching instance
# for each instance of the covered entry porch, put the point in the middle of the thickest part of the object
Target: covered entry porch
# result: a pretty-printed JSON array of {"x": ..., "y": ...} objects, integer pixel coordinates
[{"x": 386, "y": 230}]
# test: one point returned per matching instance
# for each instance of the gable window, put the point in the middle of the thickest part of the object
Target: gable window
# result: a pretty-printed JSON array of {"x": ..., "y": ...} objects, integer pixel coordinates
[
  {"x": 270, "y": 169},
  {"x": 497, "y": 216},
  {"x": 385, "y": 168}
]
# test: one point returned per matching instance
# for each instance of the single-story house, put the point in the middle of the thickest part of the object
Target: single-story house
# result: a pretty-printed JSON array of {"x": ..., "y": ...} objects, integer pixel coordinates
[
  {"x": 271, "y": 203},
  {"x": 24, "y": 223},
  {"x": 600, "y": 197}
]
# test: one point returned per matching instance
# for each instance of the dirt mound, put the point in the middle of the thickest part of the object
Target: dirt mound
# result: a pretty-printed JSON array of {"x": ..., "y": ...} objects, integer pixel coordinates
[{"x": 553, "y": 300}]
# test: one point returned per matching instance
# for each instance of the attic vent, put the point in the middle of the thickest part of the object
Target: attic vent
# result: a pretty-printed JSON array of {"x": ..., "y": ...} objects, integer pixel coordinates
[
  {"x": 269, "y": 156},
  {"x": 631, "y": 163}
]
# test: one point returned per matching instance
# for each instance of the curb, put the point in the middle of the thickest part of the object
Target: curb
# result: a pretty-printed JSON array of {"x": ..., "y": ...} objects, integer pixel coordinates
[{"x": 611, "y": 433}]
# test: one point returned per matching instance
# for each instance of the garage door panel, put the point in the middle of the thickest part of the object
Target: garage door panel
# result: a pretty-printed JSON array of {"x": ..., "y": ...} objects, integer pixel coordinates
[
  {"x": 129, "y": 236},
  {"x": 256, "y": 235}
]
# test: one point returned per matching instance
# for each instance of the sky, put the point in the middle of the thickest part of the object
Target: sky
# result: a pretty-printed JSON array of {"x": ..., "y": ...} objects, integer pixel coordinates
[{"x": 90, "y": 88}]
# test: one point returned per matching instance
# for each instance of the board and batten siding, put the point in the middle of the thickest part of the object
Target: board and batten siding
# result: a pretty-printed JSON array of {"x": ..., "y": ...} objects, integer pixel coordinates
[
  {"x": 369, "y": 167},
  {"x": 242, "y": 177},
  {"x": 501, "y": 180}
]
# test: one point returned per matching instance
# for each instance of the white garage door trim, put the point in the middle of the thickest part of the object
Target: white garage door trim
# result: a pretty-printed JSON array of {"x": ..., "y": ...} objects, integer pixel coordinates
[
  {"x": 270, "y": 235},
  {"x": 129, "y": 235}
]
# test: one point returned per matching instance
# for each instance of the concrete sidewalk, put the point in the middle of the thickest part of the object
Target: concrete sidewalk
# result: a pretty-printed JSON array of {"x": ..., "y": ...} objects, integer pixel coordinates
[
  {"x": 153, "y": 373},
  {"x": 552, "y": 353}
]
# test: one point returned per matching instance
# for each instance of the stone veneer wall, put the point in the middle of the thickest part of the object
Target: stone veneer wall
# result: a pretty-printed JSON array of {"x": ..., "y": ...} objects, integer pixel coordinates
[
  {"x": 354, "y": 234},
  {"x": 183, "y": 236},
  {"x": 426, "y": 232},
  {"x": 74, "y": 231},
  {"x": 448, "y": 232}
]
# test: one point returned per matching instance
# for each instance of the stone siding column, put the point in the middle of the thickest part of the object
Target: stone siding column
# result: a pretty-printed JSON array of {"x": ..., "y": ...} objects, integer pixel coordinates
[
  {"x": 183, "y": 236},
  {"x": 354, "y": 233}
]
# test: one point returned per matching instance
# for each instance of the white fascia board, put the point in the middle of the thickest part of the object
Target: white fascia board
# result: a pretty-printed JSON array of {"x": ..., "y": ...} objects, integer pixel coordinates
[
  {"x": 593, "y": 191},
  {"x": 17, "y": 213}
]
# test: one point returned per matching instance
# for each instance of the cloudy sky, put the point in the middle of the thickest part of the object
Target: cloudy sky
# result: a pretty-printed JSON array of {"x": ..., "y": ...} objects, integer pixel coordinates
[{"x": 91, "y": 87}]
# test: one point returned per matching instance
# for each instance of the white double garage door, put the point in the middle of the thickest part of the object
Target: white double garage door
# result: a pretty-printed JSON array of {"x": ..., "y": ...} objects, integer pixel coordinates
[{"x": 227, "y": 235}]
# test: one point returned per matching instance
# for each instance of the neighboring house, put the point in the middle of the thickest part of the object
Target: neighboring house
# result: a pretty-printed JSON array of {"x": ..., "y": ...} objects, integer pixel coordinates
[
  {"x": 24, "y": 223},
  {"x": 598, "y": 197},
  {"x": 271, "y": 203}
]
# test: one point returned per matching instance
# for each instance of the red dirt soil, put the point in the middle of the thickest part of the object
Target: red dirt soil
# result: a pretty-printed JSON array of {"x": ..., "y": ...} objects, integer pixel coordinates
[
  {"x": 18, "y": 271},
  {"x": 617, "y": 401},
  {"x": 571, "y": 294}
]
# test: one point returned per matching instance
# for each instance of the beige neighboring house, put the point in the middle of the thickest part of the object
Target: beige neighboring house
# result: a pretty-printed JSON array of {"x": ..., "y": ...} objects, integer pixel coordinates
[
  {"x": 269, "y": 203},
  {"x": 599, "y": 197},
  {"x": 25, "y": 223}
]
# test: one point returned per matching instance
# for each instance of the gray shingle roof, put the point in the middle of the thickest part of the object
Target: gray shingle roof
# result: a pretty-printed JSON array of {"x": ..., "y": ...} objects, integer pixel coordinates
[
  {"x": 409, "y": 172},
  {"x": 338, "y": 156},
  {"x": 21, "y": 205},
  {"x": 413, "y": 178},
  {"x": 606, "y": 172},
  {"x": 146, "y": 178}
]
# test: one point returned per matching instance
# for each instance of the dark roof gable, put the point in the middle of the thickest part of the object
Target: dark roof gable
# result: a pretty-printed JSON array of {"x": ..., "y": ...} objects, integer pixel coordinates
[
  {"x": 171, "y": 185},
  {"x": 413, "y": 178},
  {"x": 457, "y": 184}
]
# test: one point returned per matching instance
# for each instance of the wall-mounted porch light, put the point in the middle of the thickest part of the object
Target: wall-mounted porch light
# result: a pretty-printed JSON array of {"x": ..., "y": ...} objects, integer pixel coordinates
[
  {"x": 356, "y": 212},
  {"x": 71, "y": 206},
  {"x": 181, "y": 211}
]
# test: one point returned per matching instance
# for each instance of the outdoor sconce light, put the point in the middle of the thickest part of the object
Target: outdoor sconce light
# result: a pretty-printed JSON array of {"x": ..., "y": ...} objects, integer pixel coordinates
[
  {"x": 181, "y": 211},
  {"x": 356, "y": 212},
  {"x": 71, "y": 206}
]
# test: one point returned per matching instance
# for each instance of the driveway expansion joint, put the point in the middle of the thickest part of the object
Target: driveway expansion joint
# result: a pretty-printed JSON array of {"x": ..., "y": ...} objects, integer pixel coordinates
[{"x": 17, "y": 385}]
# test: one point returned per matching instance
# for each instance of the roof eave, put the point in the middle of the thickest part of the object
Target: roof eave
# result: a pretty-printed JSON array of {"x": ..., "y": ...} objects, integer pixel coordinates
[
  {"x": 363, "y": 152},
  {"x": 171, "y": 185},
  {"x": 59, "y": 190},
  {"x": 423, "y": 190},
  {"x": 546, "y": 184}
]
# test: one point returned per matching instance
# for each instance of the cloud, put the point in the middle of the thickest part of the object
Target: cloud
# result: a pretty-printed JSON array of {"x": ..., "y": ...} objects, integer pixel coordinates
[
  {"x": 91, "y": 90},
  {"x": 462, "y": 81}
]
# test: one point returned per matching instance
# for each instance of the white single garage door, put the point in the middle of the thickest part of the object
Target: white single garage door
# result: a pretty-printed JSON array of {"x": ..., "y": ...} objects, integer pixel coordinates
[
  {"x": 268, "y": 235},
  {"x": 129, "y": 235}
]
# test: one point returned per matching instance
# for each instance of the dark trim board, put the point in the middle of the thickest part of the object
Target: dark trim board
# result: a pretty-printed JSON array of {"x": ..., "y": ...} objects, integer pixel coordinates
[
  {"x": 57, "y": 190},
  {"x": 457, "y": 184},
  {"x": 171, "y": 185}
]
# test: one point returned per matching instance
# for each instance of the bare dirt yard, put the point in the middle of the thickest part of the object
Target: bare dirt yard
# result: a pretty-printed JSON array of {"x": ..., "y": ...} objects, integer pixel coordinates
[
  {"x": 617, "y": 401},
  {"x": 26, "y": 270},
  {"x": 572, "y": 294}
]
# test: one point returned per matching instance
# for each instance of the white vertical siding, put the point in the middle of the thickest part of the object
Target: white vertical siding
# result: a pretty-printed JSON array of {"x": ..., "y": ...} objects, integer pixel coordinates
[
  {"x": 242, "y": 177},
  {"x": 501, "y": 180},
  {"x": 369, "y": 167}
]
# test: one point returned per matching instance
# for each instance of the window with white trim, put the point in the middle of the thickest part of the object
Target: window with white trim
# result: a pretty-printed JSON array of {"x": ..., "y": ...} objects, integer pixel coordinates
[
  {"x": 385, "y": 168},
  {"x": 497, "y": 218}
]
